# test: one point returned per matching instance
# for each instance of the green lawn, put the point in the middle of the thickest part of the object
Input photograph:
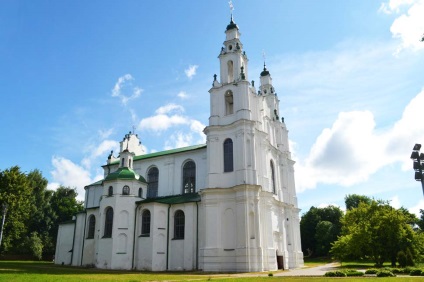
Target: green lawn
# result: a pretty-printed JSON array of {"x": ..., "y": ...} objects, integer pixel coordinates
[{"x": 46, "y": 271}]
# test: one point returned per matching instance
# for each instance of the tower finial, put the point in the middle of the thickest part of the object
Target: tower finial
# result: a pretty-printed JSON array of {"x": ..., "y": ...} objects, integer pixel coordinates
[
  {"x": 264, "y": 57},
  {"x": 231, "y": 9}
]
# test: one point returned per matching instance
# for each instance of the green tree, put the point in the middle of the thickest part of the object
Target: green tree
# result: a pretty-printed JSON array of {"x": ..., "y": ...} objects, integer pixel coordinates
[
  {"x": 319, "y": 244},
  {"x": 42, "y": 215},
  {"x": 65, "y": 205},
  {"x": 324, "y": 236},
  {"x": 15, "y": 193},
  {"x": 376, "y": 231},
  {"x": 420, "y": 221},
  {"x": 352, "y": 201}
]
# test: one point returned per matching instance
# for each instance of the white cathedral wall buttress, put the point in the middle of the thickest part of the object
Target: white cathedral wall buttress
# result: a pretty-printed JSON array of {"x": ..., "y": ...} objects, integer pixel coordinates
[
  {"x": 228, "y": 230},
  {"x": 182, "y": 246}
]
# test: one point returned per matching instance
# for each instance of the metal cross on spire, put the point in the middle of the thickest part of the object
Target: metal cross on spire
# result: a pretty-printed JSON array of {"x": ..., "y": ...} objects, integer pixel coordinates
[
  {"x": 231, "y": 8},
  {"x": 264, "y": 57}
]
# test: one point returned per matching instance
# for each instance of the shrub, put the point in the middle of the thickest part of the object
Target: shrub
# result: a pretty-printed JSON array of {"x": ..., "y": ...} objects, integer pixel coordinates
[
  {"x": 371, "y": 271},
  {"x": 400, "y": 270},
  {"x": 336, "y": 273},
  {"x": 353, "y": 272},
  {"x": 385, "y": 273},
  {"x": 270, "y": 274},
  {"x": 416, "y": 272}
]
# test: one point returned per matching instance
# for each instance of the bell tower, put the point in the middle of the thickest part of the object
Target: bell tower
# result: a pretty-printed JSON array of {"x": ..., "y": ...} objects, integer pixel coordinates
[
  {"x": 230, "y": 154},
  {"x": 249, "y": 208}
]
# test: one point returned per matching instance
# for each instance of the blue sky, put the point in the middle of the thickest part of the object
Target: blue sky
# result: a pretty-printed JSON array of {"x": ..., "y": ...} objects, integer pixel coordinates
[{"x": 76, "y": 76}]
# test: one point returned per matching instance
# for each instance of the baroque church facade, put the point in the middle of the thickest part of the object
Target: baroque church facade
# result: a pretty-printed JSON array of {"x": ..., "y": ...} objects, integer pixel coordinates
[{"x": 227, "y": 205}]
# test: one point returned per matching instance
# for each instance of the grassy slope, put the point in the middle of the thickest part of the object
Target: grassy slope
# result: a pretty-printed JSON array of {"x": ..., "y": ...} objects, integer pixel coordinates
[{"x": 46, "y": 272}]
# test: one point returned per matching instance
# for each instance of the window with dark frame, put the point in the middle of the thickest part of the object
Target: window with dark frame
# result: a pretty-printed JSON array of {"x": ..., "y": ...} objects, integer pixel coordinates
[
  {"x": 228, "y": 155},
  {"x": 140, "y": 192},
  {"x": 229, "y": 103},
  {"x": 273, "y": 178},
  {"x": 145, "y": 223},
  {"x": 179, "y": 224},
  {"x": 110, "y": 191},
  {"x": 153, "y": 182},
  {"x": 126, "y": 190},
  {"x": 108, "y": 223},
  {"x": 189, "y": 177},
  {"x": 91, "y": 226}
]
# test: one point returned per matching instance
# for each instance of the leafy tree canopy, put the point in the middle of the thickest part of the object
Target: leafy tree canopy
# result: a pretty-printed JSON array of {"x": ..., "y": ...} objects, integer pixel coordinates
[
  {"x": 319, "y": 227},
  {"x": 376, "y": 231},
  {"x": 352, "y": 201}
]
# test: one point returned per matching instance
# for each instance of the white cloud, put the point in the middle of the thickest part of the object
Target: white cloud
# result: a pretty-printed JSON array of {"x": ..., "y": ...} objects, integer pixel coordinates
[
  {"x": 188, "y": 131},
  {"x": 178, "y": 140},
  {"x": 394, "y": 6},
  {"x": 120, "y": 87},
  {"x": 395, "y": 202},
  {"x": 105, "y": 133},
  {"x": 416, "y": 209},
  {"x": 352, "y": 149},
  {"x": 183, "y": 95},
  {"x": 98, "y": 150},
  {"x": 191, "y": 71},
  {"x": 162, "y": 122},
  {"x": 409, "y": 24},
  {"x": 169, "y": 108},
  {"x": 69, "y": 174}
]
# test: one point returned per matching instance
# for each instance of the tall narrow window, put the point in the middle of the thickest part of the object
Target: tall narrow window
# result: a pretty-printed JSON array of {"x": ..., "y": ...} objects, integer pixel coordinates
[
  {"x": 140, "y": 192},
  {"x": 126, "y": 190},
  {"x": 108, "y": 223},
  {"x": 91, "y": 226},
  {"x": 273, "y": 178},
  {"x": 110, "y": 191},
  {"x": 228, "y": 155},
  {"x": 189, "y": 177},
  {"x": 179, "y": 224},
  {"x": 153, "y": 180},
  {"x": 230, "y": 71},
  {"x": 229, "y": 103},
  {"x": 145, "y": 223},
  {"x": 122, "y": 162}
]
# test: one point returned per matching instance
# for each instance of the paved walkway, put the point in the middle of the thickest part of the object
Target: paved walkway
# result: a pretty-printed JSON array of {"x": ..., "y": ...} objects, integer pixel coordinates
[
  {"x": 310, "y": 271},
  {"x": 307, "y": 271}
]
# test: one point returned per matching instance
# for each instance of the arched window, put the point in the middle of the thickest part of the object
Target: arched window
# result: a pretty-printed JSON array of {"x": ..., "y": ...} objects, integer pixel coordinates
[
  {"x": 91, "y": 226},
  {"x": 273, "y": 178},
  {"x": 108, "y": 223},
  {"x": 230, "y": 69},
  {"x": 228, "y": 155},
  {"x": 153, "y": 180},
  {"x": 140, "y": 192},
  {"x": 126, "y": 190},
  {"x": 179, "y": 224},
  {"x": 229, "y": 103},
  {"x": 110, "y": 191},
  {"x": 145, "y": 223},
  {"x": 122, "y": 162},
  {"x": 189, "y": 177}
]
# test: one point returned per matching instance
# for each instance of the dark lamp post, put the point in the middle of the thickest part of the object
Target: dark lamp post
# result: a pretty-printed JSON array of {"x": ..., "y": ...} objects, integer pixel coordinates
[{"x": 418, "y": 160}]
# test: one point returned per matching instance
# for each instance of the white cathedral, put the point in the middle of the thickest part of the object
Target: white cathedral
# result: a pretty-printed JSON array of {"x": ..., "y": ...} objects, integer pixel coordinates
[{"x": 227, "y": 205}]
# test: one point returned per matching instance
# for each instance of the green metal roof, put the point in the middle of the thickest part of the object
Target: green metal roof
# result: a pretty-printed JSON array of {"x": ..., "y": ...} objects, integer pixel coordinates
[
  {"x": 167, "y": 152},
  {"x": 178, "y": 199},
  {"x": 100, "y": 182},
  {"x": 125, "y": 173}
]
